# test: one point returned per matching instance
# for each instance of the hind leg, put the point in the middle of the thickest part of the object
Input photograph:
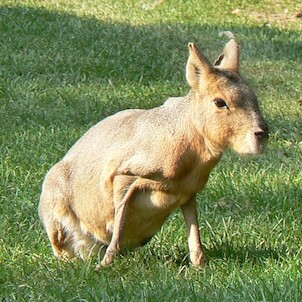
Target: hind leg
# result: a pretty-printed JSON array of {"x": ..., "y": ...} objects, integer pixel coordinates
[
  {"x": 69, "y": 239},
  {"x": 60, "y": 243},
  {"x": 54, "y": 209},
  {"x": 68, "y": 235}
]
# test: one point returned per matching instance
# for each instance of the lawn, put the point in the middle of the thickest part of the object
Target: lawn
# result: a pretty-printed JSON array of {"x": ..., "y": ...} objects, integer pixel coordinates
[{"x": 64, "y": 65}]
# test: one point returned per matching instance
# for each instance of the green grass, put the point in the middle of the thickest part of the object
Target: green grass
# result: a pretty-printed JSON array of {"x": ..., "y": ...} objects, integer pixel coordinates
[{"x": 64, "y": 65}]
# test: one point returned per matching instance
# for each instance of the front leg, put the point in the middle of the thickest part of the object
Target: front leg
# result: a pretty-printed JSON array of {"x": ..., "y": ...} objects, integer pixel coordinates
[{"x": 190, "y": 214}]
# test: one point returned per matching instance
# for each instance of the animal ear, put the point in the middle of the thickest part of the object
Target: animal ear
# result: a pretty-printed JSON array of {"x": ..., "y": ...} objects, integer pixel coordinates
[
  {"x": 229, "y": 59},
  {"x": 198, "y": 67}
]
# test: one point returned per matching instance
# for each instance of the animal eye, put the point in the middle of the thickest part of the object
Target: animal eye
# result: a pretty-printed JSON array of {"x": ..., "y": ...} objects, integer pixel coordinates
[{"x": 220, "y": 103}]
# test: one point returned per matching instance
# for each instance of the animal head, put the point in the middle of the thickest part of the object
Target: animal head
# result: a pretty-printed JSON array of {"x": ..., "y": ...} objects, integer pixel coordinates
[{"x": 226, "y": 110}]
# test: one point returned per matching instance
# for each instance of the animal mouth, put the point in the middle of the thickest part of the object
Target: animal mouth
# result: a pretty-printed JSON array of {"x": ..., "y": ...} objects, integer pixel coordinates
[
  {"x": 251, "y": 145},
  {"x": 261, "y": 147},
  {"x": 258, "y": 145}
]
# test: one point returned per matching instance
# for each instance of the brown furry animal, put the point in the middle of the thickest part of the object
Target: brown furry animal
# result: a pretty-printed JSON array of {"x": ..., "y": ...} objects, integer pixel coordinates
[{"x": 119, "y": 183}]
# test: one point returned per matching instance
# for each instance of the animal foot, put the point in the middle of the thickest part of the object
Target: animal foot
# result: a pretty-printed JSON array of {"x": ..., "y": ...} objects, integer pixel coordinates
[
  {"x": 107, "y": 260},
  {"x": 197, "y": 258}
]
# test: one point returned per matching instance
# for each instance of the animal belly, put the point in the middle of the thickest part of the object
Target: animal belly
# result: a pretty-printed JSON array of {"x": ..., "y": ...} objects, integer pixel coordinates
[{"x": 146, "y": 213}]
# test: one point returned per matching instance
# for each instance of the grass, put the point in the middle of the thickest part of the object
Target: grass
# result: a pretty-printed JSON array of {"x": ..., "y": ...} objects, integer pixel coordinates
[{"x": 64, "y": 65}]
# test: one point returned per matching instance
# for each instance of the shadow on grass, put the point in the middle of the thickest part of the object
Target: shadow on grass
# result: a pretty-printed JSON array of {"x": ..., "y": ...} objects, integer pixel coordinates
[
  {"x": 241, "y": 255},
  {"x": 44, "y": 50},
  {"x": 225, "y": 251}
]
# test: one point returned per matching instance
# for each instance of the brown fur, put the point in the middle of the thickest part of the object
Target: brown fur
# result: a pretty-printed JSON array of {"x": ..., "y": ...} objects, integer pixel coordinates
[{"x": 122, "y": 179}]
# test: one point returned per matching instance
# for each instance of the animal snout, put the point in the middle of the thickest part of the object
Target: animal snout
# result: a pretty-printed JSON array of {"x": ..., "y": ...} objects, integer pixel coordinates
[{"x": 262, "y": 132}]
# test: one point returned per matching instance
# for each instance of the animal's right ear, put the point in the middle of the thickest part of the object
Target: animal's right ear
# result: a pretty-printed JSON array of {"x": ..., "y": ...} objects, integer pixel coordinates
[{"x": 198, "y": 67}]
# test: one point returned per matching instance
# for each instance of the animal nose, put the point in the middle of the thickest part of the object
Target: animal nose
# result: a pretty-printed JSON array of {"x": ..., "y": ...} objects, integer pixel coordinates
[{"x": 262, "y": 132}]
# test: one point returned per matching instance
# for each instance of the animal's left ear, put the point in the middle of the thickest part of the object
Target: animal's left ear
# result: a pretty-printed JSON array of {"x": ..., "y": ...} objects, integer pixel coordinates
[{"x": 229, "y": 59}]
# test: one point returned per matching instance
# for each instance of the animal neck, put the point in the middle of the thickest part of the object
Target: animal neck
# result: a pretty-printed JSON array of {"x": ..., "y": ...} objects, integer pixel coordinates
[{"x": 196, "y": 134}]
